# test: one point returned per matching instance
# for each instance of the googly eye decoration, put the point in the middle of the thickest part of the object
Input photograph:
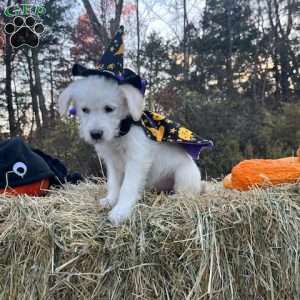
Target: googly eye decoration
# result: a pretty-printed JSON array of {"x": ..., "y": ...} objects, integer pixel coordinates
[{"x": 20, "y": 169}]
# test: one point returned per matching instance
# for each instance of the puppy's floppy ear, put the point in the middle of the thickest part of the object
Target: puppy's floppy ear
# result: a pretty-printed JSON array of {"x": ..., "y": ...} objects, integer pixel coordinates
[
  {"x": 135, "y": 101},
  {"x": 65, "y": 99}
]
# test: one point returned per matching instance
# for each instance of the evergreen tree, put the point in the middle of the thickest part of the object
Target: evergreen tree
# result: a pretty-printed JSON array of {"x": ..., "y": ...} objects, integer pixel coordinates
[
  {"x": 154, "y": 62},
  {"x": 225, "y": 49}
]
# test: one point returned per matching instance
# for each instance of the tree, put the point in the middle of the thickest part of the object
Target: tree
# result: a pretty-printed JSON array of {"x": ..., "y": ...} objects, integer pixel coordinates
[
  {"x": 154, "y": 60},
  {"x": 8, "y": 58},
  {"x": 100, "y": 28},
  {"x": 87, "y": 46},
  {"x": 38, "y": 86},
  {"x": 185, "y": 43},
  {"x": 138, "y": 34},
  {"x": 281, "y": 17},
  {"x": 226, "y": 45}
]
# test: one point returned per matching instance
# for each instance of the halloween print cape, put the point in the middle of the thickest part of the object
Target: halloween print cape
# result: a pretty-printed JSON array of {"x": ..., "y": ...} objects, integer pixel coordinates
[{"x": 161, "y": 129}]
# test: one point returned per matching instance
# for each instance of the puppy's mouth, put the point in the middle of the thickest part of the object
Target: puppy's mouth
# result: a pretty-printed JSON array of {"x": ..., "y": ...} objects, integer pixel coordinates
[
  {"x": 103, "y": 140},
  {"x": 96, "y": 142}
]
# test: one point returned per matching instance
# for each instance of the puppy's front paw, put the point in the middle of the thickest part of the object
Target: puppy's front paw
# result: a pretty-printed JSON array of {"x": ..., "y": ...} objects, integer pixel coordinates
[
  {"x": 106, "y": 202},
  {"x": 117, "y": 216}
]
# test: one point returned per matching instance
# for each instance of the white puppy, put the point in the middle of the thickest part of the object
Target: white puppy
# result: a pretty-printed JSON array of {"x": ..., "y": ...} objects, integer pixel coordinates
[{"x": 134, "y": 162}]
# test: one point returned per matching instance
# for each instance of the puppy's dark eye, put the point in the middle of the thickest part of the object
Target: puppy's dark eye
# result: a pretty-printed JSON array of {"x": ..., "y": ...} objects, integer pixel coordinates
[
  {"x": 86, "y": 110},
  {"x": 109, "y": 109}
]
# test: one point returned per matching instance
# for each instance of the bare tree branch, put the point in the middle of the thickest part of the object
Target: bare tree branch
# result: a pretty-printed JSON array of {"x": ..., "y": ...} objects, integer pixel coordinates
[
  {"x": 115, "y": 23},
  {"x": 98, "y": 28}
]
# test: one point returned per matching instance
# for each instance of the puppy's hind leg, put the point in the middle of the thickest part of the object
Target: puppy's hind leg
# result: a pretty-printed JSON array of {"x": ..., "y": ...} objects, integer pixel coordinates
[{"x": 188, "y": 179}]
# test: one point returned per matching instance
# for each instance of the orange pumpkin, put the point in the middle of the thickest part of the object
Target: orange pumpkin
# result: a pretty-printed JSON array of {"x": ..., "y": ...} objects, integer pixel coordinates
[{"x": 263, "y": 173}]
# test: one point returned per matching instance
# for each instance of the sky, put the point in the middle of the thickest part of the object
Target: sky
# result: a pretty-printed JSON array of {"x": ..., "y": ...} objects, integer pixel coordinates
[
  {"x": 163, "y": 16},
  {"x": 167, "y": 15}
]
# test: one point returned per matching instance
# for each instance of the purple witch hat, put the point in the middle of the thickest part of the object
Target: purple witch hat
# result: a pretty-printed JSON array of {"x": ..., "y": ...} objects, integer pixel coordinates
[{"x": 113, "y": 58}]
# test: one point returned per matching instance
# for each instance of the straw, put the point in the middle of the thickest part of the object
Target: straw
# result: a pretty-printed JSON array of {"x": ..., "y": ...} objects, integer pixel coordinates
[{"x": 221, "y": 245}]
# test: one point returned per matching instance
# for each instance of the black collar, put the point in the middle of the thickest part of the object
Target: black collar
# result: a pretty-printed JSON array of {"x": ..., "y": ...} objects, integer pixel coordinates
[{"x": 126, "y": 124}]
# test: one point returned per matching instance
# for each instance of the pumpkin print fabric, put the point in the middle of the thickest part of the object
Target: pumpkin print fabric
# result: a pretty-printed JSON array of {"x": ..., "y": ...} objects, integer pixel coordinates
[{"x": 161, "y": 129}]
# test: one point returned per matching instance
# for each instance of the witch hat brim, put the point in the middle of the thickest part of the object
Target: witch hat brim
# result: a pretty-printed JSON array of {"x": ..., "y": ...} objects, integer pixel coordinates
[
  {"x": 128, "y": 76},
  {"x": 79, "y": 70}
]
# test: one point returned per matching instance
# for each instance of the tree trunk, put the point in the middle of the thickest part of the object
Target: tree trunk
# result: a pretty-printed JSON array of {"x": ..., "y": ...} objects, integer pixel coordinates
[
  {"x": 17, "y": 104},
  {"x": 115, "y": 23},
  {"x": 284, "y": 74},
  {"x": 228, "y": 11},
  {"x": 38, "y": 86},
  {"x": 8, "y": 89},
  {"x": 33, "y": 93},
  {"x": 283, "y": 51},
  {"x": 185, "y": 43},
  {"x": 52, "y": 105},
  {"x": 138, "y": 63}
]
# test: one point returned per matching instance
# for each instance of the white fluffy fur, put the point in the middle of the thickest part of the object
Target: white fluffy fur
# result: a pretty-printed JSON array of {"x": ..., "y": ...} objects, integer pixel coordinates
[{"x": 133, "y": 162}]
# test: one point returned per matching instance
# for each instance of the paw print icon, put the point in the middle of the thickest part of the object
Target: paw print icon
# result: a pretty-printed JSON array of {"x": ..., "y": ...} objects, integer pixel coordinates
[{"x": 24, "y": 32}]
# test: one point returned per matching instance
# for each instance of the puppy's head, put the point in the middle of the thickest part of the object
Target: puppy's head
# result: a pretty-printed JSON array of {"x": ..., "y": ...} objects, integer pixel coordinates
[{"x": 101, "y": 104}]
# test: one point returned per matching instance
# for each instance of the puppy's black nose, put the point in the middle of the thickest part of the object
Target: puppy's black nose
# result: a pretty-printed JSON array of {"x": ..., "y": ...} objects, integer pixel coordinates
[{"x": 96, "y": 134}]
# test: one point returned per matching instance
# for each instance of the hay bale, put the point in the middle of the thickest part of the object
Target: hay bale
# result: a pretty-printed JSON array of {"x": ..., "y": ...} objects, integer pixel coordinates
[{"x": 222, "y": 245}]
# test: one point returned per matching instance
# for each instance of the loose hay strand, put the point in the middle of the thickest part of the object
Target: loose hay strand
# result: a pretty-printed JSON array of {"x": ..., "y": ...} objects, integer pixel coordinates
[{"x": 221, "y": 245}]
